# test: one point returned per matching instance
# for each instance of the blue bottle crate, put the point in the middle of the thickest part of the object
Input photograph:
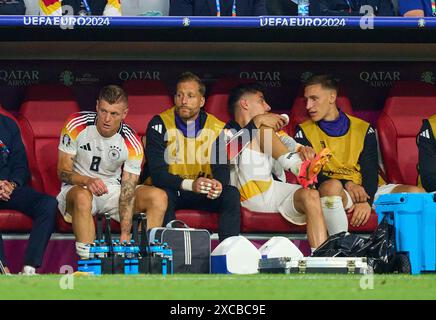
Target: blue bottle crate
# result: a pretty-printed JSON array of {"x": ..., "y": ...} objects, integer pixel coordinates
[
  {"x": 92, "y": 266},
  {"x": 414, "y": 217}
]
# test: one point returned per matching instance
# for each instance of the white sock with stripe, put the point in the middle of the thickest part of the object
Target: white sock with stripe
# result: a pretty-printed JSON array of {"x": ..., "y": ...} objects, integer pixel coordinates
[
  {"x": 82, "y": 250},
  {"x": 334, "y": 214}
]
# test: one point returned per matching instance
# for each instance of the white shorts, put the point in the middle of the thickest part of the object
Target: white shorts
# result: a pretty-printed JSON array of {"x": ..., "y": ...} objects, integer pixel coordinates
[
  {"x": 107, "y": 203},
  {"x": 278, "y": 198},
  {"x": 383, "y": 189}
]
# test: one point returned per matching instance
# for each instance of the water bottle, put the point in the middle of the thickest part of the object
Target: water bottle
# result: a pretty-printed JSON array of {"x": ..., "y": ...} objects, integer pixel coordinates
[
  {"x": 97, "y": 250},
  {"x": 104, "y": 249},
  {"x": 91, "y": 251},
  {"x": 289, "y": 142},
  {"x": 157, "y": 248},
  {"x": 303, "y": 7},
  {"x": 168, "y": 254},
  {"x": 135, "y": 249},
  {"x": 118, "y": 249},
  {"x": 129, "y": 250}
]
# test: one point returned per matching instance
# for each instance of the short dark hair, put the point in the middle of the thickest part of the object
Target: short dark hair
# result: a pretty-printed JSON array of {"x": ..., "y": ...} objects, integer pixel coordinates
[
  {"x": 237, "y": 92},
  {"x": 326, "y": 81},
  {"x": 113, "y": 94},
  {"x": 189, "y": 76}
]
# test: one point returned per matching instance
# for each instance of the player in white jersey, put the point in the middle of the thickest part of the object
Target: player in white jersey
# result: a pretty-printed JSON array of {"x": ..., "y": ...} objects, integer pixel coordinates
[
  {"x": 99, "y": 165},
  {"x": 270, "y": 152}
]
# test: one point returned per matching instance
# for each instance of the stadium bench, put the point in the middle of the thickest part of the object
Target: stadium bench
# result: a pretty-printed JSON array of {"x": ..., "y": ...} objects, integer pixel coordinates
[
  {"x": 42, "y": 116},
  {"x": 397, "y": 127}
]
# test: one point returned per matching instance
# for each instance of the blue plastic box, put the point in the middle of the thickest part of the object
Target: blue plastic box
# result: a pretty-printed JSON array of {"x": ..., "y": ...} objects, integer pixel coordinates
[
  {"x": 92, "y": 266},
  {"x": 414, "y": 217}
]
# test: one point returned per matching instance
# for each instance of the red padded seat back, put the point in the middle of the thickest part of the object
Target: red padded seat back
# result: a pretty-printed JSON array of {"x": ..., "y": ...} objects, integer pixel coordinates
[
  {"x": 412, "y": 88},
  {"x": 42, "y": 120},
  {"x": 397, "y": 127},
  {"x": 147, "y": 98},
  {"x": 49, "y": 92},
  {"x": 299, "y": 112},
  {"x": 218, "y": 97}
]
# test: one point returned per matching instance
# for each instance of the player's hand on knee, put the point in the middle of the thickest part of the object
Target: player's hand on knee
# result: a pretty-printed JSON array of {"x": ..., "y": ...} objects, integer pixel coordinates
[
  {"x": 361, "y": 213},
  {"x": 216, "y": 190},
  {"x": 96, "y": 186},
  {"x": 202, "y": 185},
  {"x": 357, "y": 192},
  {"x": 306, "y": 153}
]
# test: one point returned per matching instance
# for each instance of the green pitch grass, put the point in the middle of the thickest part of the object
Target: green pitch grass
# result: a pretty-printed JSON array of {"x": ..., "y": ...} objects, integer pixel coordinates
[{"x": 220, "y": 287}]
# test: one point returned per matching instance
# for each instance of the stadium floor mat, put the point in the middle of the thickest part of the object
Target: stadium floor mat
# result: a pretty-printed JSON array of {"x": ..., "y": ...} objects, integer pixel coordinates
[
  {"x": 61, "y": 250},
  {"x": 220, "y": 287}
]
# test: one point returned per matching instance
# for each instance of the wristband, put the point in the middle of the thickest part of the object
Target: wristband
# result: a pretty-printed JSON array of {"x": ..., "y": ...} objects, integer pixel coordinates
[{"x": 187, "y": 184}]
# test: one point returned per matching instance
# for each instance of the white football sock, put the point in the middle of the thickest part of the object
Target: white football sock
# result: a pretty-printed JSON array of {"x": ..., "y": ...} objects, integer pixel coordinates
[
  {"x": 82, "y": 250},
  {"x": 28, "y": 270},
  {"x": 291, "y": 161},
  {"x": 334, "y": 214}
]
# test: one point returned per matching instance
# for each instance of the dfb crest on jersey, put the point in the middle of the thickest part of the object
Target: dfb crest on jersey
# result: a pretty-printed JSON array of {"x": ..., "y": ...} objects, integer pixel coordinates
[{"x": 114, "y": 153}]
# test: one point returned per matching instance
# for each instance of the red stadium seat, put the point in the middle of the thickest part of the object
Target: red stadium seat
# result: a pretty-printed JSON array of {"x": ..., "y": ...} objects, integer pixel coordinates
[
  {"x": 274, "y": 222},
  {"x": 218, "y": 97},
  {"x": 412, "y": 88},
  {"x": 12, "y": 220},
  {"x": 42, "y": 116},
  {"x": 397, "y": 127},
  {"x": 299, "y": 112},
  {"x": 199, "y": 219},
  {"x": 147, "y": 98},
  {"x": 49, "y": 92}
]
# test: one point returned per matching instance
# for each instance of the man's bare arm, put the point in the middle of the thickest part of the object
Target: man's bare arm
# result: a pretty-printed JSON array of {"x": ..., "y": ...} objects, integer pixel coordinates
[
  {"x": 66, "y": 174},
  {"x": 65, "y": 170},
  {"x": 128, "y": 186}
]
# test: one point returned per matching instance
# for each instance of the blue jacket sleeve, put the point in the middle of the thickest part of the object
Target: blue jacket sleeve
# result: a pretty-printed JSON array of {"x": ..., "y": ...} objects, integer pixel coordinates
[
  {"x": 427, "y": 157},
  {"x": 155, "y": 152},
  {"x": 17, "y": 162},
  {"x": 408, "y": 5},
  {"x": 219, "y": 161},
  {"x": 368, "y": 161}
]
